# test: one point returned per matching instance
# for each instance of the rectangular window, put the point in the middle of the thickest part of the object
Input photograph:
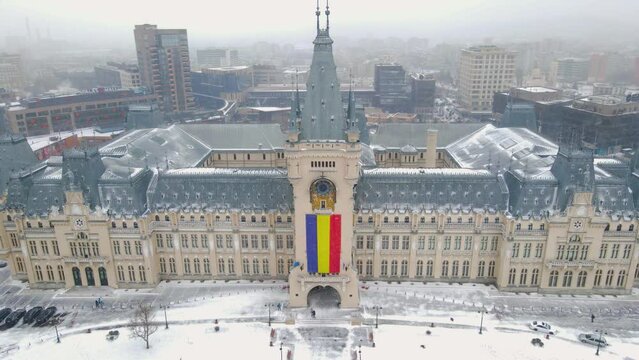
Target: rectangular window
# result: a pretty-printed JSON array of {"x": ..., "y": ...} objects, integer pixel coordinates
[
  {"x": 395, "y": 243},
  {"x": 359, "y": 242},
  {"x": 116, "y": 248},
  {"x": 219, "y": 241},
  {"x": 138, "y": 248},
  {"x": 33, "y": 249},
  {"x": 385, "y": 242},
  {"x": 603, "y": 250},
  {"x": 127, "y": 247},
  {"x": 169, "y": 241},
  {"x": 615, "y": 251},
  {"x": 194, "y": 241},
  {"x": 264, "y": 240},
  {"x": 245, "y": 241},
  {"x": 14, "y": 240},
  {"x": 279, "y": 242},
  {"x": 229, "y": 242},
  {"x": 431, "y": 242},
  {"x": 494, "y": 242},
  {"x": 370, "y": 242},
  {"x": 421, "y": 242},
  {"x": 539, "y": 250},
  {"x": 527, "y": 247},
  {"x": 45, "y": 247},
  {"x": 584, "y": 252},
  {"x": 405, "y": 242},
  {"x": 515, "y": 252},
  {"x": 447, "y": 242},
  {"x": 458, "y": 242},
  {"x": 560, "y": 252},
  {"x": 627, "y": 251},
  {"x": 95, "y": 248},
  {"x": 483, "y": 245},
  {"x": 159, "y": 241},
  {"x": 289, "y": 242},
  {"x": 185, "y": 241},
  {"x": 56, "y": 249},
  {"x": 254, "y": 242},
  {"x": 468, "y": 243}
]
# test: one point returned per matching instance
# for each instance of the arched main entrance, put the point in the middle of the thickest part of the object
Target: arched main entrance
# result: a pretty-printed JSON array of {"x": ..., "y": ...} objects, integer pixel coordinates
[
  {"x": 103, "y": 276},
  {"x": 323, "y": 297},
  {"x": 90, "y": 279},
  {"x": 77, "y": 280}
]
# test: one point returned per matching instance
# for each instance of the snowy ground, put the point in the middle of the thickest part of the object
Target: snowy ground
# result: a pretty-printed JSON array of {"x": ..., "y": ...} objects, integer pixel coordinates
[{"x": 408, "y": 309}]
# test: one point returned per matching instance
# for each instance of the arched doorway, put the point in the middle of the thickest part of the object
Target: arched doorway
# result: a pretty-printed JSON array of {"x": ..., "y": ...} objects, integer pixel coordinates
[
  {"x": 103, "y": 276},
  {"x": 90, "y": 278},
  {"x": 323, "y": 297},
  {"x": 77, "y": 280}
]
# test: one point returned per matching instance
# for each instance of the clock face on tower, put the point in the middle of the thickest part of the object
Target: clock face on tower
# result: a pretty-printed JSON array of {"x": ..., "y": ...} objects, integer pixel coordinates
[
  {"x": 578, "y": 225},
  {"x": 323, "y": 195},
  {"x": 78, "y": 223}
]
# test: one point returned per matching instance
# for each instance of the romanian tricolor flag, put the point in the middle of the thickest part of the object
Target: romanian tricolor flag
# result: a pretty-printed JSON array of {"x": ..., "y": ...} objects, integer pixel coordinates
[{"x": 323, "y": 243}]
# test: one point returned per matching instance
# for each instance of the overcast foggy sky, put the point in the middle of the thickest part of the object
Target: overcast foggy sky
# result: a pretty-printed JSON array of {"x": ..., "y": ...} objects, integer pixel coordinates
[{"x": 215, "y": 22}]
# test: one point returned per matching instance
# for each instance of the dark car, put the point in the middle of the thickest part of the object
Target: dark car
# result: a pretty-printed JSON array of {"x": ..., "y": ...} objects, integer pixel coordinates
[
  {"x": 3, "y": 264},
  {"x": 45, "y": 315},
  {"x": 4, "y": 313},
  {"x": 32, "y": 314},
  {"x": 14, "y": 317}
]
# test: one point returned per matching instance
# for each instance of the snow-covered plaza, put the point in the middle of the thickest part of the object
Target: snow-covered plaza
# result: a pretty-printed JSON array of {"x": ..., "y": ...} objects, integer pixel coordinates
[{"x": 450, "y": 312}]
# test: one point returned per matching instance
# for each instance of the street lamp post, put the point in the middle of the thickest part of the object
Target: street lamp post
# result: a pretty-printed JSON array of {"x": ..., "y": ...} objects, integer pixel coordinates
[
  {"x": 166, "y": 321},
  {"x": 599, "y": 342},
  {"x": 481, "y": 322},
  {"x": 377, "y": 309},
  {"x": 360, "y": 351},
  {"x": 57, "y": 334},
  {"x": 269, "y": 314},
  {"x": 281, "y": 352}
]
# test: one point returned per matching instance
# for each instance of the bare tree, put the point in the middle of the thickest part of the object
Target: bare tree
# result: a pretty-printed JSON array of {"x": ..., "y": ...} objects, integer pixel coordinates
[{"x": 142, "y": 324}]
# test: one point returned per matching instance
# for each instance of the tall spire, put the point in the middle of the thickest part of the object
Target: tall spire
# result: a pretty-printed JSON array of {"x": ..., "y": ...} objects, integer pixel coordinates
[
  {"x": 328, "y": 14},
  {"x": 317, "y": 14}
]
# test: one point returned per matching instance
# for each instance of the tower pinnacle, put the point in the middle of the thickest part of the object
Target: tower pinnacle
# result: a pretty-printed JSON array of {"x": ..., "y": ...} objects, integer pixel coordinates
[
  {"x": 317, "y": 14},
  {"x": 328, "y": 14}
]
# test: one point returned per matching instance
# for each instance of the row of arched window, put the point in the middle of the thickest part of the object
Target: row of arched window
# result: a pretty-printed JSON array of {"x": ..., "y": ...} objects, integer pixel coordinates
[
  {"x": 50, "y": 275},
  {"x": 599, "y": 281},
  {"x": 133, "y": 275},
  {"x": 224, "y": 266}
]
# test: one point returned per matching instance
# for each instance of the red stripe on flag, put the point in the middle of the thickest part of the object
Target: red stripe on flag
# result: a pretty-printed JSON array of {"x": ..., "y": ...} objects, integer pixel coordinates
[{"x": 336, "y": 244}]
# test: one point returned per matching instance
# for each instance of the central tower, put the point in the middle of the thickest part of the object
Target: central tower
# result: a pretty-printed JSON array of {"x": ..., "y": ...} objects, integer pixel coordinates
[{"x": 323, "y": 167}]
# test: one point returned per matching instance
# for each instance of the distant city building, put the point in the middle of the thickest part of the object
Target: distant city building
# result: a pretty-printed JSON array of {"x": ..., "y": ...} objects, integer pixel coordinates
[
  {"x": 211, "y": 86},
  {"x": 391, "y": 93},
  {"x": 165, "y": 68},
  {"x": 605, "y": 123},
  {"x": 11, "y": 72},
  {"x": 46, "y": 146},
  {"x": 608, "y": 89},
  {"x": 519, "y": 116},
  {"x": 215, "y": 57},
  {"x": 569, "y": 70},
  {"x": 597, "y": 68},
  {"x": 144, "y": 116},
  {"x": 267, "y": 74},
  {"x": 484, "y": 71},
  {"x": 280, "y": 95},
  {"x": 103, "y": 108},
  {"x": 422, "y": 94},
  {"x": 121, "y": 75}
]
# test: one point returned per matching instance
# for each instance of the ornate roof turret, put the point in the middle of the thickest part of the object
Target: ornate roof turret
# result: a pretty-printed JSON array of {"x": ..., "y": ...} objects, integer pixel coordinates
[{"x": 323, "y": 115}]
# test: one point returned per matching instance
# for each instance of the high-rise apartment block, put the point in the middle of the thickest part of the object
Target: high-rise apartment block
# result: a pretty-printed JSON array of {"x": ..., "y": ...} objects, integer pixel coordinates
[
  {"x": 569, "y": 70},
  {"x": 422, "y": 94},
  {"x": 483, "y": 71},
  {"x": 214, "y": 57},
  {"x": 391, "y": 92},
  {"x": 11, "y": 74},
  {"x": 163, "y": 59}
]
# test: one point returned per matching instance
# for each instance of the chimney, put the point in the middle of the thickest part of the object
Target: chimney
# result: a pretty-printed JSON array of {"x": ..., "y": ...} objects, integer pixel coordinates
[{"x": 431, "y": 149}]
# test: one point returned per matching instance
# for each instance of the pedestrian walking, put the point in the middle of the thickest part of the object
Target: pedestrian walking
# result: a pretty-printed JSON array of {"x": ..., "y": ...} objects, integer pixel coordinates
[{"x": 592, "y": 318}]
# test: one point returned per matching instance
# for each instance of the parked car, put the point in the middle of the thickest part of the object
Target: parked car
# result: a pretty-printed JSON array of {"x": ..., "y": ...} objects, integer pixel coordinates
[
  {"x": 542, "y": 327},
  {"x": 32, "y": 314},
  {"x": 45, "y": 315},
  {"x": 15, "y": 316},
  {"x": 593, "y": 339},
  {"x": 537, "y": 342},
  {"x": 113, "y": 334},
  {"x": 4, "y": 313},
  {"x": 3, "y": 264}
]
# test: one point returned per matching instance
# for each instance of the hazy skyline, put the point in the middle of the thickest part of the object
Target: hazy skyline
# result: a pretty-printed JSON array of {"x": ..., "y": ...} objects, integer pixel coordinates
[{"x": 292, "y": 20}]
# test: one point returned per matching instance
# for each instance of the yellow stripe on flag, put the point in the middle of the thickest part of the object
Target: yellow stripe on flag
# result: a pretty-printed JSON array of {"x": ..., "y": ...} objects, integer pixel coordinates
[{"x": 323, "y": 243}]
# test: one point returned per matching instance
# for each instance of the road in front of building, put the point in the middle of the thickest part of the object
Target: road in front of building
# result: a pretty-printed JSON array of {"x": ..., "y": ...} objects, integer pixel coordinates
[{"x": 406, "y": 303}]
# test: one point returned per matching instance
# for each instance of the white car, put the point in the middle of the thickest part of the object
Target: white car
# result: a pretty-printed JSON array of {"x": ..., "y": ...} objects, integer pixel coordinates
[
  {"x": 593, "y": 339},
  {"x": 542, "y": 327}
]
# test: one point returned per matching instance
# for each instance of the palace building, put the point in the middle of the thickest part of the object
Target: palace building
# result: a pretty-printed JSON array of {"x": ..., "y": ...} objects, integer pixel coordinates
[{"x": 319, "y": 207}]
